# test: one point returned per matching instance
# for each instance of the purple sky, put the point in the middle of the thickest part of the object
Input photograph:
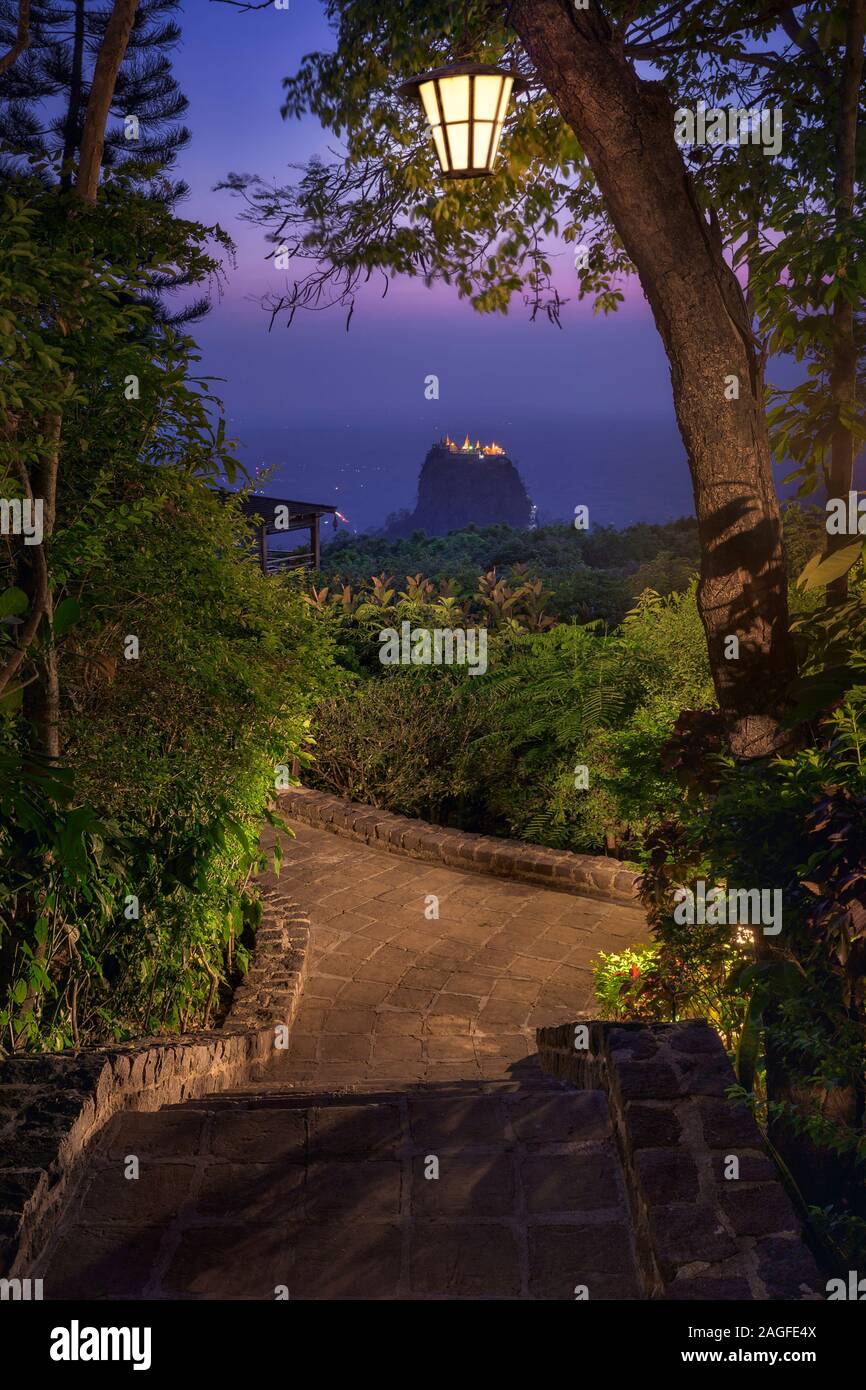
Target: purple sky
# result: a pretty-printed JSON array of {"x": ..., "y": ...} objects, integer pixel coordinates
[{"x": 586, "y": 412}]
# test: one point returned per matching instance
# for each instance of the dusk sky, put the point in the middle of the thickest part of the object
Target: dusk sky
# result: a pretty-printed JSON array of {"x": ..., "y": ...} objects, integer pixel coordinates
[{"x": 585, "y": 412}]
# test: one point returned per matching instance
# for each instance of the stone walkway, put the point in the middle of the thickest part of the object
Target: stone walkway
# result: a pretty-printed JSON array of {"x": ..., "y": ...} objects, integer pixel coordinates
[
  {"x": 393, "y": 994},
  {"x": 413, "y": 1149}
]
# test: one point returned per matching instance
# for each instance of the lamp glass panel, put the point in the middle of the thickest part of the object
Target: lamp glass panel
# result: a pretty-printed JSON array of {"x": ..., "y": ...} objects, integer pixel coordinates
[
  {"x": 505, "y": 97},
  {"x": 488, "y": 90},
  {"x": 428, "y": 101},
  {"x": 496, "y": 139},
  {"x": 442, "y": 152},
  {"x": 454, "y": 93},
  {"x": 458, "y": 139},
  {"x": 481, "y": 144}
]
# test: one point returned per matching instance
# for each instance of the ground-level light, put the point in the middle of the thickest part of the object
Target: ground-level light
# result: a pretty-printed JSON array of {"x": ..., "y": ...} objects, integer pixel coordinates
[{"x": 465, "y": 105}]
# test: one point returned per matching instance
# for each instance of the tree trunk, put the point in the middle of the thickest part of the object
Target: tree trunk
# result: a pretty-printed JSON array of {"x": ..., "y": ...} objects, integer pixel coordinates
[
  {"x": 76, "y": 89},
  {"x": 843, "y": 370},
  {"x": 626, "y": 129},
  {"x": 108, "y": 61}
]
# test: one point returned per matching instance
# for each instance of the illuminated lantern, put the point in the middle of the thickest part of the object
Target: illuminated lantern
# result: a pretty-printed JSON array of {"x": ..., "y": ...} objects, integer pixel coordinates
[{"x": 465, "y": 105}]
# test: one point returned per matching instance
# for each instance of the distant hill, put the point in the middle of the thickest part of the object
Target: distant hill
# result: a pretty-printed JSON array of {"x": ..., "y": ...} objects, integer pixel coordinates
[{"x": 468, "y": 485}]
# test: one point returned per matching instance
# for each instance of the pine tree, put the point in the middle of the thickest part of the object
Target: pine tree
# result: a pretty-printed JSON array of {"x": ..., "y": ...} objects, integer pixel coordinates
[
  {"x": 43, "y": 100},
  {"x": 43, "y": 96}
]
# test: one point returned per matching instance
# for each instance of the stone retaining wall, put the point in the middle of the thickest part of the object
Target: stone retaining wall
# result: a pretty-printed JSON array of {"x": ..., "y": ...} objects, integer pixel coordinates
[
  {"x": 700, "y": 1235},
  {"x": 590, "y": 875},
  {"x": 52, "y": 1104}
]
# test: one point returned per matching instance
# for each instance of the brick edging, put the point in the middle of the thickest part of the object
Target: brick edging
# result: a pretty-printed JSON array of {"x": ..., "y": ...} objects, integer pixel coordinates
[
  {"x": 590, "y": 875},
  {"x": 59, "y": 1101},
  {"x": 699, "y": 1234}
]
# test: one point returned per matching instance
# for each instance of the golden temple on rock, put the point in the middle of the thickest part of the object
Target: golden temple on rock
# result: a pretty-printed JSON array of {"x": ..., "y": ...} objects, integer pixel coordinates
[{"x": 467, "y": 447}]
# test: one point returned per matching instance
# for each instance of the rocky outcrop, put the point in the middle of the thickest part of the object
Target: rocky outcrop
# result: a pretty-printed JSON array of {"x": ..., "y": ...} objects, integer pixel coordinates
[{"x": 460, "y": 487}]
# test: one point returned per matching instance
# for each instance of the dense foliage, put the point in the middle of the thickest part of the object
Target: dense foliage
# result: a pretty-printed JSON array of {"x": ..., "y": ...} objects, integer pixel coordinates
[
  {"x": 499, "y": 750},
  {"x": 589, "y": 574},
  {"x": 792, "y": 1002},
  {"x": 184, "y": 676}
]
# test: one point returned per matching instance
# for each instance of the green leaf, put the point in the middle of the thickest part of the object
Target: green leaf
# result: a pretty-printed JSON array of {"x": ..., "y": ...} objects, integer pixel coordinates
[
  {"x": 66, "y": 615},
  {"x": 13, "y": 602},
  {"x": 12, "y": 699},
  {"x": 824, "y": 569}
]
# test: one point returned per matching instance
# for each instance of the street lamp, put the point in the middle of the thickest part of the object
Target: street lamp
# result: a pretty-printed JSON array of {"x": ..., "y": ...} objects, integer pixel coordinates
[{"x": 465, "y": 105}]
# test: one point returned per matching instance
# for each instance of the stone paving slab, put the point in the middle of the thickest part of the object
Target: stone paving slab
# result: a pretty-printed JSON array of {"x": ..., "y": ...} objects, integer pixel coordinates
[{"x": 500, "y": 1192}]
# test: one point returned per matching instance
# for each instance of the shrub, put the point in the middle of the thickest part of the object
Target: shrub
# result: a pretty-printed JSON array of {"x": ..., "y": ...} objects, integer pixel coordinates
[
  {"x": 618, "y": 976},
  {"x": 402, "y": 742},
  {"x": 498, "y": 752},
  {"x": 146, "y": 840}
]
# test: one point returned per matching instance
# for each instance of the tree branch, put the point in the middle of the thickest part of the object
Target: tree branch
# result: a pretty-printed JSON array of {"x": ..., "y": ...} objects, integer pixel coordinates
[
  {"x": 799, "y": 33},
  {"x": 245, "y": 5},
  {"x": 22, "y": 37}
]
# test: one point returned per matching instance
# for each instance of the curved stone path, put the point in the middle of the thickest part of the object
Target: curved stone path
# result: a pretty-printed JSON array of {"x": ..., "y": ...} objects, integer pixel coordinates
[
  {"x": 395, "y": 994},
  {"x": 412, "y": 1149}
]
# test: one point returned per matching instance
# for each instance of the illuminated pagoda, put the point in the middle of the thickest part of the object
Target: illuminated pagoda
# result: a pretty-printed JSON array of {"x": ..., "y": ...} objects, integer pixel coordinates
[{"x": 467, "y": 447}]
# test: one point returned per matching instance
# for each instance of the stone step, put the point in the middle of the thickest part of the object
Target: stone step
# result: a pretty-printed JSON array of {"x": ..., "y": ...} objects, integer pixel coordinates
[
  {"x": 283, "y": 1097},
  {"x": 481, "y": 1192}
]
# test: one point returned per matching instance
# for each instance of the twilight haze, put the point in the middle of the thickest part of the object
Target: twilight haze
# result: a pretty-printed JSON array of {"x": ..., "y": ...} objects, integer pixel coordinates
[{"x": 586, "y": 412}]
